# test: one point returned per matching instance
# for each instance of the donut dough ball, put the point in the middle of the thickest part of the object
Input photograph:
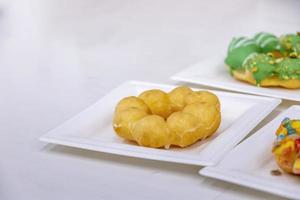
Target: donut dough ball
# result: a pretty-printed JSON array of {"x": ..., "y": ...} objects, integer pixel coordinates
[
  {"x": 124, "y": 120},
  {"x": 152, "y": 131},
  {"x": 208, "y": 116},
  {"x": 203, "y": 97},
  {"x": 158, "y": 102},
  {"x": 131, "y": 102},
  {"x": 177, "y": 97},
  {"x": 185, "y": 129}
]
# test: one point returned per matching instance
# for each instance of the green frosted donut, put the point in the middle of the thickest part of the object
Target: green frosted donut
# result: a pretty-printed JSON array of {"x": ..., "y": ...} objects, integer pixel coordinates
[
  {"x": 290, "y": 43},
  {"x": 288, "y": 68},
  {"x": 266, "y": 56},
  {"x": 239, "y": 49},
  {"x": 261, "y": 66},
  {"x": 267, "y": 42}
]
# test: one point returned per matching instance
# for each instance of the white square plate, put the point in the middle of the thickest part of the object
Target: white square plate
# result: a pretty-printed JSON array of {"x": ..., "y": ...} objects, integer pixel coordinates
[
  {"x": 250, "y": 163},
  {"x": 213, "y": 72},
  {"x": 92, "y": 128}
]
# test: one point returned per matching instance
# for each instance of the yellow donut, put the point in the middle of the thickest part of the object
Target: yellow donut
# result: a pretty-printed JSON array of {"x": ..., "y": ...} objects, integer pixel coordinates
[{"x": 158, "y": 119}]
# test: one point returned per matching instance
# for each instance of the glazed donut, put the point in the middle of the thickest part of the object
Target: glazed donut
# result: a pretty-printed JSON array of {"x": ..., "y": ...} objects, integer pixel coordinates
[
  {"x": 158, "y": 119},
  {"x": 266, "y": 60},
  {"x": 286, "y": 148}
]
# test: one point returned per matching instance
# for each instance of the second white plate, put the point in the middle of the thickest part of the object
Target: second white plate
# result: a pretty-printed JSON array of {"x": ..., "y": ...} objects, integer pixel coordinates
[
  {"x": 251, "y": 162},
  {"x": 92, "y": 128},
  {"x": 212, "y": 72}
]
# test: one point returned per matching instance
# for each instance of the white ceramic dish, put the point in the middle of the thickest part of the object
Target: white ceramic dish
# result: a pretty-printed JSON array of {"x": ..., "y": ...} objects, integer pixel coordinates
[
  {"x": 212, "y": 72},
  {"x": 250, "y": 163},
  {"x": 92, "y": 128}
]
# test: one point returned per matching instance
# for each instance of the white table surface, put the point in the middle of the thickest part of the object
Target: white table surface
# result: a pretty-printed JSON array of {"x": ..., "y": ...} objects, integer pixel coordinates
[{"x": 59, "y": 56}]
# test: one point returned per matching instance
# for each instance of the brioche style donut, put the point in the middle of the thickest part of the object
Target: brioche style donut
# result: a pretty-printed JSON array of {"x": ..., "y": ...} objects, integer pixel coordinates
[
  {"x": 266, "y": 60},
  {"x": 286, "y": 147},
  {"x": 159, "y": 119}
]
